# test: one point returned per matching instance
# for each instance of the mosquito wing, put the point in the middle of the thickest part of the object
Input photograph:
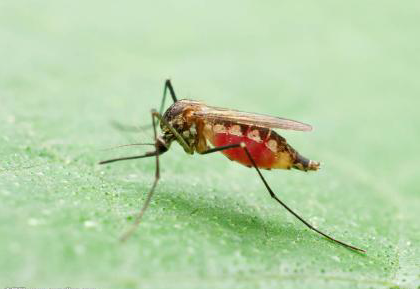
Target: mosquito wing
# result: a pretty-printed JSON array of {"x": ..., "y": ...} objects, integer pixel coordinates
[{"x": 222, "y": 114}]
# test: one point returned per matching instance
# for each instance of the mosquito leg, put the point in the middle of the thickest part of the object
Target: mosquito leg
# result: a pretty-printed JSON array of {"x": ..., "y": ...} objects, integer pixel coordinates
[
  {"x": 139, "y": 216},
  {"x": 158, "y": 150},
  {"x": 221, "y": 148},
  {"x": 161, "y": 148},
  {"x": 274, "y": 196},
  {"x": 149, "y": 154},
  {"x": 125, "y": 127},
  {"x": 131, "y": 128},
  {"x": 168, "y": 86}
]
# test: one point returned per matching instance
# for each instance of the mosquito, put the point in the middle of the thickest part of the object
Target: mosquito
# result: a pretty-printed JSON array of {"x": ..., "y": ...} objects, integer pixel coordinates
[{"x": 247, "y": 138}]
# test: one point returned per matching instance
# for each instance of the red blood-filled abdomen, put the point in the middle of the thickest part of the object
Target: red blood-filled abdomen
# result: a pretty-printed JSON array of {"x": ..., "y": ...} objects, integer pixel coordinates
[
  {"x": 268, "y": 149},
  {"x": 262, "y": 155}
]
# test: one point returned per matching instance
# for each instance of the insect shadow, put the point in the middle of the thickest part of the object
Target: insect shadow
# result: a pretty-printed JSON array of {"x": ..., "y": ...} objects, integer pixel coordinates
[
  {"x": 247, "y": 138},
  {"x": 225, "y": 213}
]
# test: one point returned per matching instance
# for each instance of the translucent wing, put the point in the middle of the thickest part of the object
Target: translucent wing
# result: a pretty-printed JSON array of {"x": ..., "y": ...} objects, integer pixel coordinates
[{"x": 215, "y": 114}]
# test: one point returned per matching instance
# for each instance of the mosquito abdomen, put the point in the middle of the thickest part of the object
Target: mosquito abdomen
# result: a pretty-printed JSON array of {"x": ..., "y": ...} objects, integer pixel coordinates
[{"x": 268, "y": 149}]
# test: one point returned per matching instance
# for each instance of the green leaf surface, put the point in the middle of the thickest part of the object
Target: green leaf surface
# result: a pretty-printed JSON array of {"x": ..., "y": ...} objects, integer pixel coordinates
[{"x": 70, "y": 68}]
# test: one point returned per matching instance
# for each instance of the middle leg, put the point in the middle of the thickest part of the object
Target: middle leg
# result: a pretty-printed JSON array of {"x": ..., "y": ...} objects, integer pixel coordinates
[{"x": 274, "y": 196}]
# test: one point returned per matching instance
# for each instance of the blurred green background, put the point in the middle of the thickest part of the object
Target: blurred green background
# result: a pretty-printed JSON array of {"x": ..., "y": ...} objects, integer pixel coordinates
[{"x": 70, "y": 68}]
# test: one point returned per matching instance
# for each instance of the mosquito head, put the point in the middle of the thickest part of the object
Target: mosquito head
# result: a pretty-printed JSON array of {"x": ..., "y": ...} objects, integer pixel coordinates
[
  {"x": 179, "y": 108},
  {"x": 176, "y": 114}
]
